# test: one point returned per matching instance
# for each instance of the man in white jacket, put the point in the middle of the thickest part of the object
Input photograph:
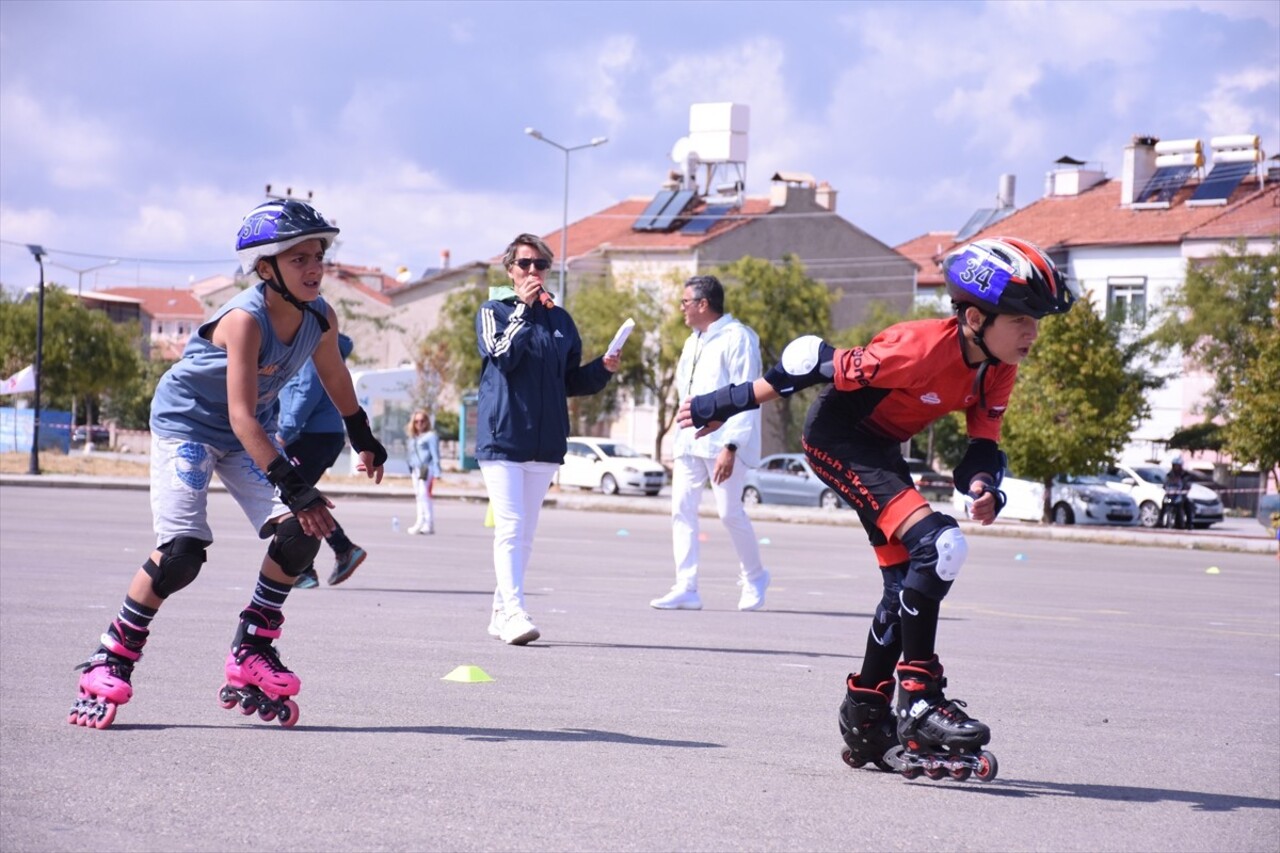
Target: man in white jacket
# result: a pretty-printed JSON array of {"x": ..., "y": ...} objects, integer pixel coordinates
[{"x": 721, "y": 351}]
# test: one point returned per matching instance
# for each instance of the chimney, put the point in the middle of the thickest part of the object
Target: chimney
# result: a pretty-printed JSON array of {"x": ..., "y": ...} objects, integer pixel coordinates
[
  {"x": 444, "y": 259},
  {"x": 1139, "y": 166},
  {"x": 826, "y": 196},
  {"x": 793, "y": 189},
  {"x": 1004, "y": 197}
]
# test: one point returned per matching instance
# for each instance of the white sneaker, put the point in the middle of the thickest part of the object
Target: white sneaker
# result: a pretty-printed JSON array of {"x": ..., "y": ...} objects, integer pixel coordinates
[
  {"x": 678, "y": 599},
  {"x": 495, "y": 625},
  {"x": 753, "y": 591},
  {"x": 413, "y": 531},
  {"x": 427, "y": 529},
  {"x": 518, "y": 629}
]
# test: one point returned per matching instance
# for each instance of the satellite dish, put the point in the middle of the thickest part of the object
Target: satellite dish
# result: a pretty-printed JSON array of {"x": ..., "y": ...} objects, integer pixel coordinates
[{"x": 682, "y": 152}]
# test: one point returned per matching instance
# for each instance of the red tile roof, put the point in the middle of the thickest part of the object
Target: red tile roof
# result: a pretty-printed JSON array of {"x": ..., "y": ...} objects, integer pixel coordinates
[
  {"x": 361, "y": 279},
  {"x": 1095, "y": 217},
  {"x": 160, "y": 302},
  {"x": 611, "y": 229},
  {"x": 924, "y": 252}
]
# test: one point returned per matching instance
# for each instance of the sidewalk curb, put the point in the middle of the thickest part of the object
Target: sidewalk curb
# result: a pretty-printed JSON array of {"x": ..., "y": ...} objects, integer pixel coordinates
[{"x": 462, "y": 487}]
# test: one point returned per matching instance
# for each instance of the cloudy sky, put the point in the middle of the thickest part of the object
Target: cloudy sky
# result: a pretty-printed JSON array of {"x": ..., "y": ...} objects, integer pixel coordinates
[{"x": 144, "y": 131}]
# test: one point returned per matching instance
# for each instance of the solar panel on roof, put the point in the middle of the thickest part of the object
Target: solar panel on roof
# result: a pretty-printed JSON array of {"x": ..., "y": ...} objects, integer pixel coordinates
[
  {"x": 645, "y": 219},
  {"x": 982, "y": 219},
  {"x": 700, "y": 223},
  {"x": 664, "y": 220},
  {"x": 1220, "y": 184},
  {"x": 1164, "y": 184}
]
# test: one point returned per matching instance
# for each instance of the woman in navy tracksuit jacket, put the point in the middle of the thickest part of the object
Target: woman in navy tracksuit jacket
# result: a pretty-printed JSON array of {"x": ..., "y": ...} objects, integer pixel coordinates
[{"x": 532, "y": 357}]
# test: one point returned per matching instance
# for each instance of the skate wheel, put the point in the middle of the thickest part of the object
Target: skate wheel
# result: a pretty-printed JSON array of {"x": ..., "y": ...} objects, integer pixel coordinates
[
  {"x": 960, "y": 773},
  {"x": 987, "y": 767},
  {"x": 248, "y": 707},
  {"x": 289, "y": 713},
  {"x": 847, "y": 755},
  {"x": 106, "y": 717},
  {"x": 72, "y": 716},
  {"x": 266, "y": 714},
  {"x": 936, "y": 773},
  {"x": 227, "y": 697},
  {"x": 909, "y": 772},
  {"x": 881, "y": 764}
]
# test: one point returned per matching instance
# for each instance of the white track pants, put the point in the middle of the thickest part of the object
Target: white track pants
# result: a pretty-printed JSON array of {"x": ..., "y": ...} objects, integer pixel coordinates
[
  {"x": 516, "y": 491},
  {"x": 689, "y": 476}
]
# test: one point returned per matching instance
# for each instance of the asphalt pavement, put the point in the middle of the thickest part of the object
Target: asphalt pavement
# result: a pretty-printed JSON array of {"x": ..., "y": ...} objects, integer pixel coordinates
[{"x": 1133, "y": 690}]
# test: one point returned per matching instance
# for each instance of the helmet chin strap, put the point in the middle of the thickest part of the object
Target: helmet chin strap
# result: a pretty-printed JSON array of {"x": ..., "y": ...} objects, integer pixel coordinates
[
  {"x": 277, "y": 284},
  {"x": 979, "y": 381}
]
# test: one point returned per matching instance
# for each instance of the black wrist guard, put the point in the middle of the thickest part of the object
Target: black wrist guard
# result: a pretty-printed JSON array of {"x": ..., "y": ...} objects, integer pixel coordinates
[
  {"x": 991, "y": 486},
  {"x": 296, "y": 493},
  {"x": 361, "y": 437},
  {"x": 805, "y": 362},
  {"x": 723, "y": 403}
]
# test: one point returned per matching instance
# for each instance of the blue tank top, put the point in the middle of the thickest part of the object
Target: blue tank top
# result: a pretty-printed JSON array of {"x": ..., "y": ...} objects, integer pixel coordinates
[{"x": 190, "y": 402}]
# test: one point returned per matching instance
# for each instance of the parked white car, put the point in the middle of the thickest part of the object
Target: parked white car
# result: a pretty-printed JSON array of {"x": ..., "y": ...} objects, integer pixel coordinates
[
  {"x": 610, "y": 466},
  {"x": 1075, "y": 500},
  {"x": 1145, "y": 484}
]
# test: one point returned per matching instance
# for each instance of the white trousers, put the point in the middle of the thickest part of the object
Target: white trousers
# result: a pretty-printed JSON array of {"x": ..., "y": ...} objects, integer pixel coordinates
[
  {"x": 422, "y": 490},
  {"x": 689, "y": 476},
  {"x": 516, "y": 490}
]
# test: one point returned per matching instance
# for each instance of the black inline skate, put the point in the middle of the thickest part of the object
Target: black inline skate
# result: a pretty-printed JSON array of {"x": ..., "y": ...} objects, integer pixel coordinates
[
  {"x": 867, "y": 724},
  {"x": 937, "y": 737}
]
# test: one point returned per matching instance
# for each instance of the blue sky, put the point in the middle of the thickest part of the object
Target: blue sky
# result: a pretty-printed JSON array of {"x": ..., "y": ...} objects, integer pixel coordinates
[{"x": 144, "y": 131}]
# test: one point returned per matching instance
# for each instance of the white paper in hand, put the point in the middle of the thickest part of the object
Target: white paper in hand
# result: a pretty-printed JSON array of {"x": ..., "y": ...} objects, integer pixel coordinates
[{"x": 615, "y": 345}]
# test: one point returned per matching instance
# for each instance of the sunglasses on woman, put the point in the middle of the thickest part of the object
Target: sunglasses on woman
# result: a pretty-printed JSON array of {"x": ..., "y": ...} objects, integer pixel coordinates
[{"x": 541, "y": 264}]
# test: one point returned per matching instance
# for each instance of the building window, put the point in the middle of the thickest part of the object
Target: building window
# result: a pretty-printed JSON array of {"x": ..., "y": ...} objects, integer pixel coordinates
[{"x": 1127, "y": 300}]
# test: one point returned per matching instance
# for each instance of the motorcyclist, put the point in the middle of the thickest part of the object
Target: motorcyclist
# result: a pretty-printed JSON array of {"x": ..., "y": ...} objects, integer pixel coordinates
[{"x": 1177, "y": 511}]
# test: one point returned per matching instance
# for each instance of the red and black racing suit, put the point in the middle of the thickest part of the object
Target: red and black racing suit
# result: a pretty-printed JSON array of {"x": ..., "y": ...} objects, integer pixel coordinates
[{"x": 884, "y": 393}]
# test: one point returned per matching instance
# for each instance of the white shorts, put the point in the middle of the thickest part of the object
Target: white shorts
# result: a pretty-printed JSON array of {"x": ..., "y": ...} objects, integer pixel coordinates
[{"x": 181, "y": 472}]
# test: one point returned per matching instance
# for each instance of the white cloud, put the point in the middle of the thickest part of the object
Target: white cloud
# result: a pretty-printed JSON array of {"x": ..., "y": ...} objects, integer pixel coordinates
[
  {"x": 1226, "y": 111},
  {"x": 78, "y": 151},
  {"x": 751, "y": 73},
  {"x": 599, "y": 97}
]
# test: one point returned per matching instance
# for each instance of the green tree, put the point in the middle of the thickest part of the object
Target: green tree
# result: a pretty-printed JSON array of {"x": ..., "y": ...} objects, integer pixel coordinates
[
  {"x": 1221, "y": 316},
  {"x": 599, "y": 308},
  {"x": 1224, "y": 318},
  {"x": 780, "y": 303},
  {"x": 647, "y": 370},
  {"x": 450, "y": 349},
  {"x": 130, "y": 404},
  {"x": 1253, "y": 412},
  {"x": 85, "y": 354},
  {"x": 1078, "y": 397}
]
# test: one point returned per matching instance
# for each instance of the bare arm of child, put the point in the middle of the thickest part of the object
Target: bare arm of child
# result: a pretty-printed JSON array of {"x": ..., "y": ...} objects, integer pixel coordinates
[{"x": 238, "y": 334}]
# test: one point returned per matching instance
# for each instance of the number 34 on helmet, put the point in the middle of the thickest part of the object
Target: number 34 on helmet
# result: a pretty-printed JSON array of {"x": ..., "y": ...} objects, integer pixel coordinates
[{"x": 1006, "y": 275}]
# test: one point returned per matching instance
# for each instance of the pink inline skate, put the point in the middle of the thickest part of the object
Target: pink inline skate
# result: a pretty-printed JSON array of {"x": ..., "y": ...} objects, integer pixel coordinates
[
  {"x": 256, "y": 679},
  {"x": 105, "y": 686}
]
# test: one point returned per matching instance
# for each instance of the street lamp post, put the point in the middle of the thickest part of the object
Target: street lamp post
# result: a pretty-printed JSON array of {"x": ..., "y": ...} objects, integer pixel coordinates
[
  {"x": 564, "y": 227},
  {"x": 34, "y": 468},
  {"x": 80, "y": 273}
]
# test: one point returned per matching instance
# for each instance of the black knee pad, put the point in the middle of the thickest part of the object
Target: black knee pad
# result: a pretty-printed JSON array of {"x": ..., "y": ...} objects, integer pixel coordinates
[
  {"x": 179, "y": 566},
  {"x": 291, "y": 548},
  {"x": 938, "y": 550}
]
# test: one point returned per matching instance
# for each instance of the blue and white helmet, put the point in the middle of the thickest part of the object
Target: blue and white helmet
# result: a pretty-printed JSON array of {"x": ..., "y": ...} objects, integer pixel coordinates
[
  {"x": 1006, "y": 275},
  {"x": 276, "y": 226}
]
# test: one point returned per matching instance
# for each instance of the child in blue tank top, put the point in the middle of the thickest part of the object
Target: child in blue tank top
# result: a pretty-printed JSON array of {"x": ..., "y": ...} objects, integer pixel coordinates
[{"x": 214, "y": 411}]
